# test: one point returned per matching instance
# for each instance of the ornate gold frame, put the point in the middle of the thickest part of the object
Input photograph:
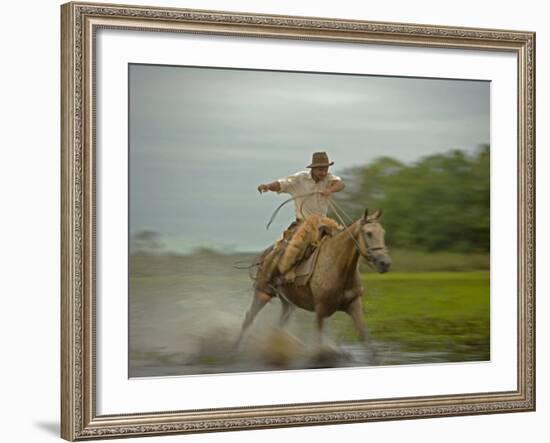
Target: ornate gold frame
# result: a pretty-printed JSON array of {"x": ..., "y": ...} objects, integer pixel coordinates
[{"x": 80, "y": 21}]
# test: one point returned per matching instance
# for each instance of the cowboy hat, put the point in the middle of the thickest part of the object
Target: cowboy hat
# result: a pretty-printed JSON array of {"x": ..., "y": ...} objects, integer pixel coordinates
[{"x": 319, "y": 159}]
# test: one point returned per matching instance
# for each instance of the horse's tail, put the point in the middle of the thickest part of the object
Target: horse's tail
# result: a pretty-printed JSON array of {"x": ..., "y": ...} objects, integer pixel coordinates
[{"x": 253, "y": 267}]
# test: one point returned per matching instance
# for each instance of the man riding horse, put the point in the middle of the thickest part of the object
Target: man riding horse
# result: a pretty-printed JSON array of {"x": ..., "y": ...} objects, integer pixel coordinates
[
  {"x": 329, "y": 281},
  {"x": 310, "y": 191}
]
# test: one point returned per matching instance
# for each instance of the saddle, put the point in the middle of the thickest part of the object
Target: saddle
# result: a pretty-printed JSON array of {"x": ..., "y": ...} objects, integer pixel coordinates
[
  {"x": 302, "y": 271},
  {"x": 299, "y": 256},
  {"x": 293, "y": 257},
  {"x": 305, "y": 235}
]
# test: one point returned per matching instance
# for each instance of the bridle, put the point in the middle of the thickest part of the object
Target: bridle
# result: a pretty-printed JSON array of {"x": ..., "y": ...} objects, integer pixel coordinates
[{"x": 368, "y": 254}]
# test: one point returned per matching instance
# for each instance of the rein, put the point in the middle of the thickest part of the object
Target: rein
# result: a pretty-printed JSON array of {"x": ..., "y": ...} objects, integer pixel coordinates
[{"x": 284, "y": 203}]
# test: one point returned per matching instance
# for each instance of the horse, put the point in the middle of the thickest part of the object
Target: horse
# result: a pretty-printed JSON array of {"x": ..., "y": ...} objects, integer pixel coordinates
[{"x": 335, "y": 282}]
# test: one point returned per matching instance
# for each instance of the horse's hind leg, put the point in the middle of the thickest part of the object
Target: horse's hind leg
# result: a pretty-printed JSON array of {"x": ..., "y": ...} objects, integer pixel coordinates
[{"x": 259, "y": 300}]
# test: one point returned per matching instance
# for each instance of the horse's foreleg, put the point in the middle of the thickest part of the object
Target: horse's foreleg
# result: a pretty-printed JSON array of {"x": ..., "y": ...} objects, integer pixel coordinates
[
  {"x": 259, "y": 300},
  {"x": 355, "y": 311},
  {"x": 321, "y": 315},
  {"x": 355, "y": 307},
  {"x": 286, "y": 310}
]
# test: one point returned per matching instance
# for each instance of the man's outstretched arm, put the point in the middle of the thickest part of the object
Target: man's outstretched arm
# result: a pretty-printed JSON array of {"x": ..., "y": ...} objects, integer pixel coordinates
[{"x": 274, "y": 187}]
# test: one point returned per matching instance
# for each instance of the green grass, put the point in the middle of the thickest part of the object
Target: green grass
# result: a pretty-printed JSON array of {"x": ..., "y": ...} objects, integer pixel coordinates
[{"x": 445, "y": 312}]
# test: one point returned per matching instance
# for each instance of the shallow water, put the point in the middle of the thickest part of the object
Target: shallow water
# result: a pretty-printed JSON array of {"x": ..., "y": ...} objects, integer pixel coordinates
[
  {"x": 186, "y": 313},
  {"x": 345, "y": 355}
]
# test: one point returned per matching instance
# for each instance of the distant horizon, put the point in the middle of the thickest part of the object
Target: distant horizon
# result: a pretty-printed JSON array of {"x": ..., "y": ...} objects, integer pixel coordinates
[{"x": 203, "y": 139}]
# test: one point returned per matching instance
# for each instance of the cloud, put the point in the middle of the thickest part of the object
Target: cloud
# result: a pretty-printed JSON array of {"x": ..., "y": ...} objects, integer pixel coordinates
[{"x": 203, "y": 139}]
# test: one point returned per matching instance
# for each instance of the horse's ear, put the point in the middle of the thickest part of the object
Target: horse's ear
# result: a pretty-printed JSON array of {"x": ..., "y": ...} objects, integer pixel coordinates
[
  {"x": 377, "y": 215},
  {"x": 365, "y": 216}
]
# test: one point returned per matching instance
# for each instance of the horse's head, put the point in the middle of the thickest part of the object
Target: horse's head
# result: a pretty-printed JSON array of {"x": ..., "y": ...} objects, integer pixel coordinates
[{"x": 371, "y": 241}]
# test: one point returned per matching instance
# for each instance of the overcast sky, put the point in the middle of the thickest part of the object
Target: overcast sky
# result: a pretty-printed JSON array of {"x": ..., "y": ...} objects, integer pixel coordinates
[{"x": 202, "y": 139}]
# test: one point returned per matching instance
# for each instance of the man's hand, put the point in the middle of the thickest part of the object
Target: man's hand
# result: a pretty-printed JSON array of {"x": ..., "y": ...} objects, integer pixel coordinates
[
  {"x": 275, "y": 187},
  {"x": 333, "y": 186}
]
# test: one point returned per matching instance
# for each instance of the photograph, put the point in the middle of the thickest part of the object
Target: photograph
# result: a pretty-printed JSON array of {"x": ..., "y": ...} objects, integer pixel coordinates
[
  {"x": 275, "y": 221},
  {"x": 286, "y": 220}
]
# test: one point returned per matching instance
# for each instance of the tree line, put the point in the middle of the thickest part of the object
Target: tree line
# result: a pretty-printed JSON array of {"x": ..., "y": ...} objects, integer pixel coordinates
[{"x": 439, "y": 203}]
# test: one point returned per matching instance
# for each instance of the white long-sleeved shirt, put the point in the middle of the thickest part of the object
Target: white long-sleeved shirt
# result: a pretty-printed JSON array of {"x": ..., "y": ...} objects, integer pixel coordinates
[{"x": 300, "y": 185}]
